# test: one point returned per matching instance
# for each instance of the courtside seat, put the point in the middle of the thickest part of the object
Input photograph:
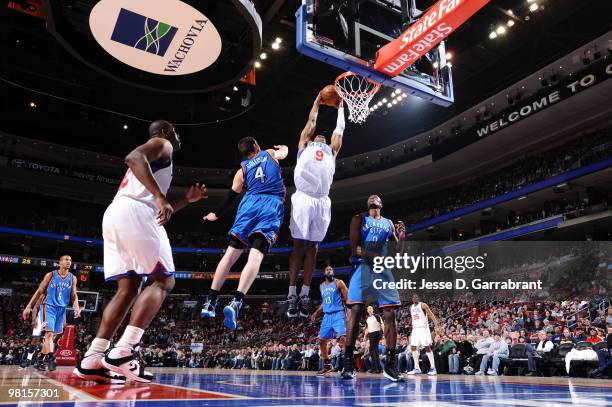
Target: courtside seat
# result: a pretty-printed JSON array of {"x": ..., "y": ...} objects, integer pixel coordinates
[
  {"x": 583, "y": 367},
  {"x": 517, "y": 359},
  {"x": 558, "y": 360}
]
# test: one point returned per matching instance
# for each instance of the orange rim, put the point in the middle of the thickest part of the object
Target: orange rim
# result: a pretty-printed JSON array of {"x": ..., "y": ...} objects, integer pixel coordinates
[{"x": 359, "y": 94}]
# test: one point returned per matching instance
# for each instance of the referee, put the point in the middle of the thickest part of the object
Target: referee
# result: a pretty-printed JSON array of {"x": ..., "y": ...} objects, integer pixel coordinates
[{"x": 374, "y": 331}]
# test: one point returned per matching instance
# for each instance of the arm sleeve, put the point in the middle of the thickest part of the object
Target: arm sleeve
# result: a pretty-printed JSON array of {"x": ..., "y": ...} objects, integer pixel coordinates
[
  {"x": 340, "y": 123},
  {"x": 226, "y": 203}
]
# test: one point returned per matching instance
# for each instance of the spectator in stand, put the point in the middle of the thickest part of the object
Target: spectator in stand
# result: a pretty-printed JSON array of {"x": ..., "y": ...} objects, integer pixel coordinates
[
  {"x": 448, "y": 345},
  {"x": 498, "y": 350},
  {"x": 482, "y": 348},
  {"x": 604, "y": 356},
  {"x": 579, "y": 335},
  {"x": 541, "y": 350},
  {"x": 594, "y": 336},
  {"x": 567, "y": 337},
  {"x": 404, "y": 357},
  {"x": 609, "y": 317},
  {"x": 557, "y": 335}
]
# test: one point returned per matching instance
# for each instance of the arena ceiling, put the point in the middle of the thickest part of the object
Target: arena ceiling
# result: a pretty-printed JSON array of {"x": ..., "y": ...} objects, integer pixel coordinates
[{"x": 34, "y": 64}]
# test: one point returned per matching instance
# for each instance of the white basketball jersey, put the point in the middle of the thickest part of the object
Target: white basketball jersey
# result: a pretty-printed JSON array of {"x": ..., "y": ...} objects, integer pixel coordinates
[
  {"x": 132, "y": 188},
  {"x": 315, "y": 168},
  {"x": 419, "y": 318}
]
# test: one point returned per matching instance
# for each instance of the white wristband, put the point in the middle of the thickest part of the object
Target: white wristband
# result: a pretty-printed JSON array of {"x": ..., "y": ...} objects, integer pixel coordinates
[{"x": 340, "y": 124}]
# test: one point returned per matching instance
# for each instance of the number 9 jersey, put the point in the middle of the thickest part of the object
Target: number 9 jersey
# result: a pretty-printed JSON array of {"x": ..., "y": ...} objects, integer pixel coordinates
[{"x": 314, "y": 170}]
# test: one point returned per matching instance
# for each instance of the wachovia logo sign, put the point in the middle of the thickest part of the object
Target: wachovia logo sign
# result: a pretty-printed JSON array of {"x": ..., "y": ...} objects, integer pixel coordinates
[{"x": 162, "y": 37}]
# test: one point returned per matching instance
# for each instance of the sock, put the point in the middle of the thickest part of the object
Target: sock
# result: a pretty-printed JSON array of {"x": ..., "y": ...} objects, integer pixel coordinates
[
  {"x": 305, "y": 291},
  {"x": 98, "y": 345},
  {"x": 212, "y": 295},
  {"x": 131, "y": 336},
  {"x": 292, "y": 291},
  {"x": 238, "y": 296},
  {"x": 430, "y": 356},
  {"x": 415, "y": 359}
]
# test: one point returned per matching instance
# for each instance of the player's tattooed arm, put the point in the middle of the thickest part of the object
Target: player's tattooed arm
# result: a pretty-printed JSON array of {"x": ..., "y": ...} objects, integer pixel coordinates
[
  {"x": 42, "y": 288},
  {"x": 311, "y": 124},
  {"x": 138, "y": 160},
  {"x": 355, "y": 236},
  {"x": 338, "y": 134},
  {"x": 232, "y": 194}
]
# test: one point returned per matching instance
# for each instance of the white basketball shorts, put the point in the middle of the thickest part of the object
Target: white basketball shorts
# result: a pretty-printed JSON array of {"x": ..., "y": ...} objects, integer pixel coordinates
[
  {"x": 420, "y": 337},
  {"x": 310, "y": 217},
  {"x": 133, "y": 241}
]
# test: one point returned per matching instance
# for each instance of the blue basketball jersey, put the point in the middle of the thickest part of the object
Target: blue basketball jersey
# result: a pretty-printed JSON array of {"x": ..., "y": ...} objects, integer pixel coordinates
[
  {"x": 332, "y": 300},
  {"x": 375, "y": 233},
  {"x": 262, "y": 175},
  {"x": 59, "y": 290}
]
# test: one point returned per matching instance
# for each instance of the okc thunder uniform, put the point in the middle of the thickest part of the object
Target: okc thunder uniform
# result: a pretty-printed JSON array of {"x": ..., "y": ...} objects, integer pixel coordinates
[
  {"x": 133, "y": 241},
  {"x": 52, "y": 311},
  {"x": 420, "y": 336},
  {"x": 310, "y": 204},
  {"x": 375, "y": 233},
  {"x": 334, "y": 322},
  {"x": 262, "y": 207}
]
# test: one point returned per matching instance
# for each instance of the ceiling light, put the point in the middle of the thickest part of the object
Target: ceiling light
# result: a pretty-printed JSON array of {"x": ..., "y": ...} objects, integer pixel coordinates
[
  {"x": 404, "y": 95},
  {"x": 235, "y": 88},
  {"x": 510, "y": 12},
  {"x": 530, "y": 1},
  {"x": 493, "y": 35},
  {"x": 257, "y": 64},
  {"x": 125, "y": 127},
  {"x": 449, "y": 64},
  {"x": 510, "y": 23},
  {"x": 227, "y": 98},
  {"x": 389, "y": 105},
  {"x": 33, "y": 105},
  {"x": 435, "y": 65},
  {"x": 275, "y": 45},
  {"x": 449, "y": 55},
  {"x": 501, "y": 30},
  {"x": 384, "y": 100},
  {"x": 394, "y": 101},
  {"x": 533, "y": 7},
  {"x": 278, "y": 40},
  {"x": 263, "y": 55}
]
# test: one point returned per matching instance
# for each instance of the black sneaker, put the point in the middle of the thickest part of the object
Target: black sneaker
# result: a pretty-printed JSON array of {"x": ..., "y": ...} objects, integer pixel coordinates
[
  {"x": 390, "y": 369},
  {"x": 127, "y": 362},
  {"x": 97, "y": 373},
  {"x": 41, "y": 365},
  {"x": 208, "y": 308},
  {"x": 327, "y": 368},
  {"x": 292, "y": 311},
  {"x": 231, "y": 311},
  {"x": 52, "y": 363},
  {"x": 304, "y": 306},
  {"x": 348, "y": 369}
]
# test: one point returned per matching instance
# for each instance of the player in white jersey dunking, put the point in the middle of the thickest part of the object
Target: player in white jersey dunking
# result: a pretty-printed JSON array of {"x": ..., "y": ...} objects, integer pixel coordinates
[
  {"x": 310, "y": 204},
  {"x": 421, "y": 336},
  {"x": 136, "y": 250}
]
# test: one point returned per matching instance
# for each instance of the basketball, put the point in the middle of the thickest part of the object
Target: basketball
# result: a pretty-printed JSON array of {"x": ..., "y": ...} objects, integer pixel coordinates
[{"x": 330, "y": 96}]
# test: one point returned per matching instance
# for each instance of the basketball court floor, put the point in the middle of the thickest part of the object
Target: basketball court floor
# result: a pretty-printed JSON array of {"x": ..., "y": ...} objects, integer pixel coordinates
[{"x": 208, "y": 387}]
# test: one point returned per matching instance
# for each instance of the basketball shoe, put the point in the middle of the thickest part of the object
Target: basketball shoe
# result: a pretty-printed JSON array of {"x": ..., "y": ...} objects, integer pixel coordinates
[
  {"x": 90, "y": 368},
  {"x": 208, "y": 309},
  {"x": 390, "y": 369},
  {"x": 126, "y": 361},
  {"x": 304, "y": 306},
  {"x": 292, "y": 311},
  {"x": 348, "y": 372},
  {"x": 231, "y": 311},
  {"x": 327, "y": 368}
]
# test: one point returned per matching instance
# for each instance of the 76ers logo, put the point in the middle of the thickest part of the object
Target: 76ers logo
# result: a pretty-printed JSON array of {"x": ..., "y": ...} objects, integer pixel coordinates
[{"x": 126, "y": 179}]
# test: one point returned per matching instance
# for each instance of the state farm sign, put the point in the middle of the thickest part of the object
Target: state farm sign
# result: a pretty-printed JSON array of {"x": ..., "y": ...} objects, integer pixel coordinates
[{"x": 436, "y": 24}]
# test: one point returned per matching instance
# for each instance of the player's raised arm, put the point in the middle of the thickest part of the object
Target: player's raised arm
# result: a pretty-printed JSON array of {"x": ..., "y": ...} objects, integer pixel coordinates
[
  {"x": 232, "y": 194},
  {"x": 399, "y": 234},
  {"x": 193, "y": 194},
  {"x": 139, "y": 162},
  {"x": 39, "y": 291},
  {"x": 280, "y": 152},
  {"x": 336, "y": 140},
  {"x": 311, "y": 124}
]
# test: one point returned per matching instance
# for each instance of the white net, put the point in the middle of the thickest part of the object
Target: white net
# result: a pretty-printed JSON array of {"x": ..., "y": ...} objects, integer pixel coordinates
[{"x": 357, "y": 91}]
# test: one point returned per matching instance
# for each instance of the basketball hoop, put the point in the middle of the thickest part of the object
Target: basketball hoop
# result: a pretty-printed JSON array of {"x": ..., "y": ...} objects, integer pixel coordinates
[{"x": 356, "y": 91}]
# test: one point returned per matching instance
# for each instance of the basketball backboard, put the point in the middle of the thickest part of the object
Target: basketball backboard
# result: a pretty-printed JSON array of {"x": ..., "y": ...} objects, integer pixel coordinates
[{"x": 348, "y": 33}]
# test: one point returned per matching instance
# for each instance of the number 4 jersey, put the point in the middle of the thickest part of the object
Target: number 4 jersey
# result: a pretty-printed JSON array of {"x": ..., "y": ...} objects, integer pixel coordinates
[{"x": 314, "y": 170}]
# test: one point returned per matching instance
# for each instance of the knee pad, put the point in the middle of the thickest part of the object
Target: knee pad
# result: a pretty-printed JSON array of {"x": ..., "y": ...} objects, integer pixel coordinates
[{"x": 259, "y": 242}]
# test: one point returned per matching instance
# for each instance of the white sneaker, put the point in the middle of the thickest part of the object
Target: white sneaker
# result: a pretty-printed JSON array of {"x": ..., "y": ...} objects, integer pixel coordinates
[
  {"x": 414, "y": 371},
  {"x": 490, "y": 371},
  {"x": 432, "y": 372},
  {"x": 480, "y": 373},
  {"x": 126, "y": 361},
  {"x": 90, "y": 368}
]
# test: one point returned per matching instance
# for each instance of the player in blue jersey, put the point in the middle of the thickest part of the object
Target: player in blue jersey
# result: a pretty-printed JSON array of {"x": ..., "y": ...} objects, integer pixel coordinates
[
  {"x": 369, "y": 234},
  {"x": 257, "y": 222},
  {"x": 57, "y": 290},
  {"x": 333, "y": 296}
]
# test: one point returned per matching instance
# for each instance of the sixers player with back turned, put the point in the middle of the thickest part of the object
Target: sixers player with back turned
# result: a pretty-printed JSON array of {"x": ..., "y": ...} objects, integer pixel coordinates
[
  {"x": 310, "y": 204},
  {"x": 56, "y": 291},
  {"x": 369, "y": 234},
  {"x": 136, "y": 251},
  {"x": 259, "y": 217},
  {"x": 333, "y": 297}
]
